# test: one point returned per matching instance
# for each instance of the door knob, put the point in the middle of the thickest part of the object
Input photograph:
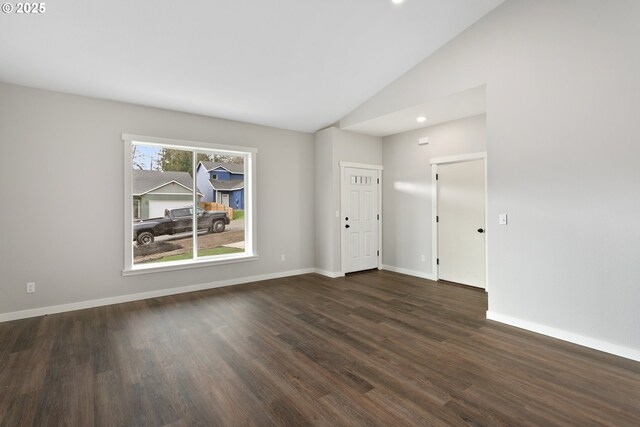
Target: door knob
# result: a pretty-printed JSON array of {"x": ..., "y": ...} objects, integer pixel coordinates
[
  {"x": 480, "y": 230},
  {"x": 347, "y": 226},
  {"x": 346, "y": 218}
]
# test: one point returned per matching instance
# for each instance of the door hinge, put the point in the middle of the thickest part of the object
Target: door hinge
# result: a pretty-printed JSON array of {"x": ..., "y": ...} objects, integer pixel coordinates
[
  {"x": 378, "y": 217},
  {"x": 378, "y": 253},
  {"x": 378, "y": 180},
  {"x": 437, "y": 261},
  {"x": 436, "y": 177},
  {"x": 437, "y": 218}
]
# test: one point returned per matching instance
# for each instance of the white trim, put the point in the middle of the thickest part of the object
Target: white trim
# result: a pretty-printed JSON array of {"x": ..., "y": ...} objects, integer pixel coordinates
[
  {"x": 232, "y": 189},
  {"x": 459, "y": 158},
  {"x": 181, "y": 143},
  {"x": 434, "y": 211},
  {"x": 164, "y": 185},
  {"x": 434, "y": 228},
  {"x": 128, "y": 206},
  {"x": 607, "y": 347},
  {"x": 327, "y": 273},
  {"x": 218, "y": 167},
  {"x": 189, "y": 263},
  {"x": 360, "y": 166},
  {"x": 251, "y": 241},
  {"x": 170, "y": 194},
  {"x": 378, "y": 168},
  {"x": 486, "y": 227},
  {"x": 414, "y": 273},
  {"x": 42, "y": 311},
  {"x": 250, "y": 204}
]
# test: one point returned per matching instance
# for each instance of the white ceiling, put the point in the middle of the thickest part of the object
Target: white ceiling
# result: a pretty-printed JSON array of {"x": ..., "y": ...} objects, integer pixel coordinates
[
  {"x": 457, "y": 106},
  {"x": 294, "y": 64}
]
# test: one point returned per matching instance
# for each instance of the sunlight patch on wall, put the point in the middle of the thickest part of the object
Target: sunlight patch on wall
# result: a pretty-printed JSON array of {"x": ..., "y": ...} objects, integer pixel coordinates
[{"x": 412, "y": 188}]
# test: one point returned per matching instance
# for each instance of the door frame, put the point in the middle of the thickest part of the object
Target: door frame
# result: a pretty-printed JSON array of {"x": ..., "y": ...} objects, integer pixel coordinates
[
  {"x": 434, "y": 213},
  {"x": 342, "y": 222}
]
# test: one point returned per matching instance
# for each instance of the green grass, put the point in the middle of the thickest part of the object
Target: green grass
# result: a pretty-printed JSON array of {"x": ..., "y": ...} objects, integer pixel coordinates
[
  {"x": 238, "y": 214},
  {"x": 201, "y": 253}
]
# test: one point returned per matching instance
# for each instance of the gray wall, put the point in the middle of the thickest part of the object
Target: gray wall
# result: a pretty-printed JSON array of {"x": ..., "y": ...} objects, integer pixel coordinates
[
  {"x": 407, "y": 201},
  {"x": 74, "y": 143},
  {"x": 324, "y": 209},
  {"x": 333, "y": 146},
  {"x": 563, "y": 100}
]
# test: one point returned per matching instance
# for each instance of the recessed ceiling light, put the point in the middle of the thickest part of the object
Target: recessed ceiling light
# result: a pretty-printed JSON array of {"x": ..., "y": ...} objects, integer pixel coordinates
[
  {"x": 421, "y": 119},
  {"x": 397, "y": 1}
]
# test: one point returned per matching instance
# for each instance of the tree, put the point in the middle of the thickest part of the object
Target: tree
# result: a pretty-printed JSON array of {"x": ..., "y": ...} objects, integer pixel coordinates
[
  {"x": 140, "y": 159},
  {"x": 227, "y": 159},
  {"x": 178, "y": 160}
]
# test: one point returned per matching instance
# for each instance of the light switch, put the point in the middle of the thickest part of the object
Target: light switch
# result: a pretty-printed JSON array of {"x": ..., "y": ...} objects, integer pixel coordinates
[{"x": 502, "y": 219}]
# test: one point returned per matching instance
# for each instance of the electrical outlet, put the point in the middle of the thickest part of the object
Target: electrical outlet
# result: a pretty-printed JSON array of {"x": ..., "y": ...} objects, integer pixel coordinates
[
  {"x": 283, "y": 258},
  {"x": 31, "y": 287},
  {"x": 423, "y": 258}
]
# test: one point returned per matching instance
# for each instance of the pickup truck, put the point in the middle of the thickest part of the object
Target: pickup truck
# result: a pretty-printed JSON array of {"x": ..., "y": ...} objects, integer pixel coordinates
[{"x": 178, "y": 220}]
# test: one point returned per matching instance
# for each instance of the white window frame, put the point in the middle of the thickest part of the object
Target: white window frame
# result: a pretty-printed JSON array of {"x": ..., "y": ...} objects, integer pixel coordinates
[{"x": 251, "y": 241}]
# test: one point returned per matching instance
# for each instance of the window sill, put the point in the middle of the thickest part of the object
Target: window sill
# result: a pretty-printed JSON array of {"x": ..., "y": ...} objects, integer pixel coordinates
[{"x": 187, "y": 264}]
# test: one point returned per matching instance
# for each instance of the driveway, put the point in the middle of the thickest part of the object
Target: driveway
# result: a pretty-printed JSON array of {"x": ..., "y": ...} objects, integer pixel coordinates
[
  {"x": 233, "y": 236},
  {"x": 235, "y": 225}
]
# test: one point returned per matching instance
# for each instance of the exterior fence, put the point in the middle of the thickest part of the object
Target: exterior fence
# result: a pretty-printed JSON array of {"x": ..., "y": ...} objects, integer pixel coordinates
[{"x": 213, "y": 206}]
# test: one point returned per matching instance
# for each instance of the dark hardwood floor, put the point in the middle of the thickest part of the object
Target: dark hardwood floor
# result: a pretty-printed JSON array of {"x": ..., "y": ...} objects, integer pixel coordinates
[{"x": 371, "y": 349}]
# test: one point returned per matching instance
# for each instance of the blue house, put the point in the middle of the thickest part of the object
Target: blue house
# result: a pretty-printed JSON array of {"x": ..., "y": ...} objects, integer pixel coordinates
[{"x": 221, "y": 183}]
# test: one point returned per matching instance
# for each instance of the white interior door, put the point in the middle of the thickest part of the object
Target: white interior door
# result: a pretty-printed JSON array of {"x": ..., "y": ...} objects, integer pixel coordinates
[
  {"x": 360, "y": 219},
  {"x": 461, "y": 222}
]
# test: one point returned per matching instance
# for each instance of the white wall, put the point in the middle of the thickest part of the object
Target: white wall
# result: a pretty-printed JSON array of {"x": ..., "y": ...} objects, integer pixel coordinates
[
  {"x": 407, "y": 193},
  {"x": 333, "y": 146},
  {"x": 563, "y": 100},
  {"x": 70, "y": 242}
]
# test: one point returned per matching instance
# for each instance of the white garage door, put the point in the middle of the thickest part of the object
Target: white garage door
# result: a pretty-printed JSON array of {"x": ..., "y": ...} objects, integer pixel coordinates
[{"x": 157, "y": 207}]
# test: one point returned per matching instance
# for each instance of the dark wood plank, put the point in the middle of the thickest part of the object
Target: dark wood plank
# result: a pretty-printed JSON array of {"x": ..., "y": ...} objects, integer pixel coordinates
[{"x": 377, "y": 348}]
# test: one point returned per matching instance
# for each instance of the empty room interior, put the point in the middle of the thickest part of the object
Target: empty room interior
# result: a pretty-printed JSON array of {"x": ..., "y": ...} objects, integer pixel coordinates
[{"x": 332, "y": 213}]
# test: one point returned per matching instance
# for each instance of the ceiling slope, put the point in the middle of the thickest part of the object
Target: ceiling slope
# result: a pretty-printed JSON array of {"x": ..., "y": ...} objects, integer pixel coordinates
[{"x": 294, "y": 64}]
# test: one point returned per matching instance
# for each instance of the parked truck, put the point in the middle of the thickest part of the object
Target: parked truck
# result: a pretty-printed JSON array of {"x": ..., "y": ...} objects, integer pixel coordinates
[{"x": 178, "y": 220}]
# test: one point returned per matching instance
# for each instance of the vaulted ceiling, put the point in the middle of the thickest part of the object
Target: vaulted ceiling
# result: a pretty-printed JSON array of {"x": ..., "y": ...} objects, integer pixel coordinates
[{"x": 294, "y": 64}]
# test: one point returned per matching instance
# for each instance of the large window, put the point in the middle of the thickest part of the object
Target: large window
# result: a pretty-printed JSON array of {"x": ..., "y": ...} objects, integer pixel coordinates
[{"x": 189, "y": 204}]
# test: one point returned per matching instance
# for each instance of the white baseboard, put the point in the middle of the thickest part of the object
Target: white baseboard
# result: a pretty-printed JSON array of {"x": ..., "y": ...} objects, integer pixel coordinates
[
  {"x": 618, "y": 350},
  {"x": 332, "y": 274},
  {"x": 409, "y": 272},
  {"x": 34, "y": 312}
]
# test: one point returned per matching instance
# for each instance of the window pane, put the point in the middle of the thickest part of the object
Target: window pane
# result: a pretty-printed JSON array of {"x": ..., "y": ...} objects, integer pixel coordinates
[
  {"x": 220, "y": 180},
  {"x": 162, "y": 191}
]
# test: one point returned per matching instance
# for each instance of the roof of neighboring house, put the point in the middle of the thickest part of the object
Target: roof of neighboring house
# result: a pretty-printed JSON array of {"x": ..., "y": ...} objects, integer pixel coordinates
[
  {"x": 227, "y": 185},
  {"x": 145, "y": 181},
  {"x": 231, "y": 167}
]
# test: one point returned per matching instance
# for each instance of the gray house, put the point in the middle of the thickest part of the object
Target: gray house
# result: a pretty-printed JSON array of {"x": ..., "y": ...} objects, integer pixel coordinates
[{"x": 155, "y": 191}]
